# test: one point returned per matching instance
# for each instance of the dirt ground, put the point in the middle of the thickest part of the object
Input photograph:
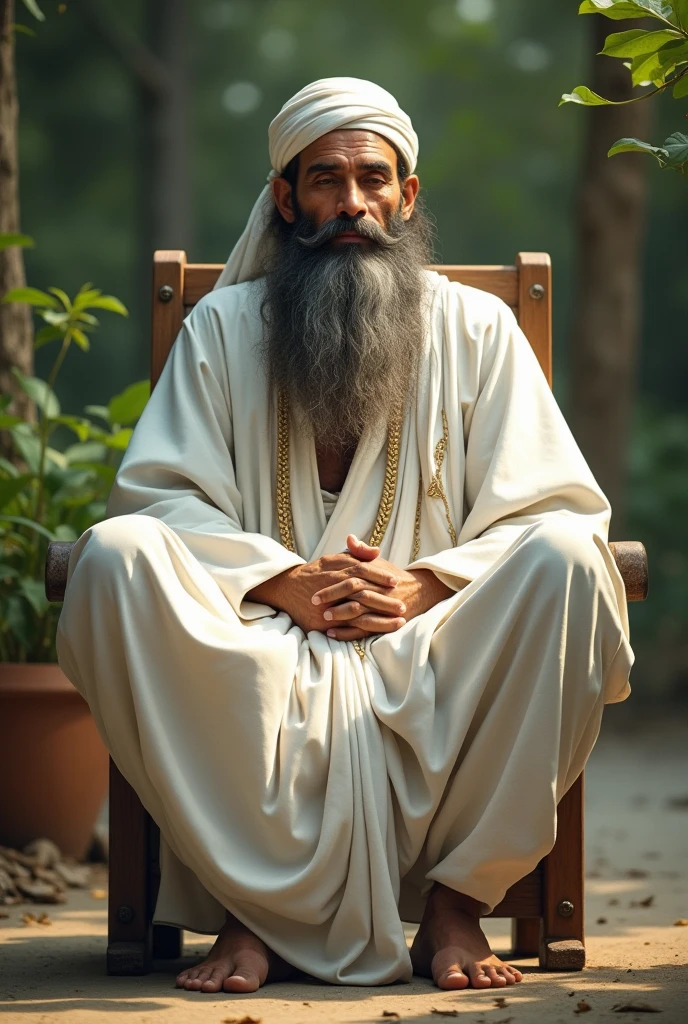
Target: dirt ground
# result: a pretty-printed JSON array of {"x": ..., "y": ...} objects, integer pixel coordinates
[{"x": 637, "y": 847}]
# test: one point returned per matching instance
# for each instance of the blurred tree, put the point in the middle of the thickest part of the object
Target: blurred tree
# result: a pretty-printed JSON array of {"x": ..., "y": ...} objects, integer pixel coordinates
[
  {"x": 16, "y": 329},
  {"x": 156, "y": 62},
  {"x": 607, "y": 324}
]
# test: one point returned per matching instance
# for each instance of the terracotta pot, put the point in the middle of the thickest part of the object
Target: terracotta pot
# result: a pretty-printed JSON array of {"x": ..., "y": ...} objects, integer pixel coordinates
[{"x": 53, "y": 764}]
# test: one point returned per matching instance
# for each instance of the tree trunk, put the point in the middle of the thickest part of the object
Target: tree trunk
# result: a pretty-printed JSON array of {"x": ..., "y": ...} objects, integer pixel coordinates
[
  {"x": 16, "y": 328},
  {"x": 610, "y": 238}
]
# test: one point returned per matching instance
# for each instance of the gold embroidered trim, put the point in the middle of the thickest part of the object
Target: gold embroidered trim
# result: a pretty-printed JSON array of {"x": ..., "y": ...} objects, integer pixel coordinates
[
  {"x": 284, "y": 514},
  {"x": 416, "y": 524},
  {"x": 359, "y": 648},
  {"x": 436, "y": 488}
]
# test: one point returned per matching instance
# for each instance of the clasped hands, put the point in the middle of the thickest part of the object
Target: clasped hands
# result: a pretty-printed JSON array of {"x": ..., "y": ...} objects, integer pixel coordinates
[{"x": 353, "y": 594}]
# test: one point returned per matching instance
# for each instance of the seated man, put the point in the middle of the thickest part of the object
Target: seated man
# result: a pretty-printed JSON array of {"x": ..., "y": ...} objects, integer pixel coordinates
[{"x": 352, "y": 622}]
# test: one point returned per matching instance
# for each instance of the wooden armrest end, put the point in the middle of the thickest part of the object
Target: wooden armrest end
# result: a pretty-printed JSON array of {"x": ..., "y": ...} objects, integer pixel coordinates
[
  {"x": 56, "y": 566},
  {"x": 631, "y": 560}
]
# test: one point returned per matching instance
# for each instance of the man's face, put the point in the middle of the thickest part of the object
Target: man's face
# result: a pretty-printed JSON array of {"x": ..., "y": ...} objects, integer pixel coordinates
[{"x": 348, "y": 174}]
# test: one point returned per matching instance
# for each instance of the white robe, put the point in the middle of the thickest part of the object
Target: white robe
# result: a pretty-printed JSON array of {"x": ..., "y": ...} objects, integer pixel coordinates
[{"x": 315, "y": 794}]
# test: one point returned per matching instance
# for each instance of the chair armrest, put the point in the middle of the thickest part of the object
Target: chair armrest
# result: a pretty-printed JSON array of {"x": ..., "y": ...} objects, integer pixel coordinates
[
  {"x": 630, "y": 557},
  {"x": 631, "y": 560},
  {"x": 56, "y": 565}
]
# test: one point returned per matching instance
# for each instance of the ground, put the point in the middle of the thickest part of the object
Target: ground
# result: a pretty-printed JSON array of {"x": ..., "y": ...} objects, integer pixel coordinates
[{"x": 637, "y": 848}]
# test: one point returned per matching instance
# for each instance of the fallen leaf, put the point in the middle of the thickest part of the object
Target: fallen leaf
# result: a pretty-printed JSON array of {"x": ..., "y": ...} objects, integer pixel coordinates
[
  {"x": 242, "y": 1020},
  {"x": 391, "y": 1013},
  {"x": 571, "y": 994},
  {"x": 444, "y": 1013},
  {"x": 4, "y": 914},
  {"x": 636, "y": 873},
  {"x": 98, "y": 894},
  {"x": 29, "y": 919},
  {"x": 613, "y": 903},
  {"x": 501, "y": 1002},
  {"x": 681, "y": 923},
  {"x": 601, "y": 920},
  {"x": 647, "y": 902},
  {"x": 305, "y": 1004},
  {"x": 636, "y": 1006},
  {"x": 583, "y": 1007}
]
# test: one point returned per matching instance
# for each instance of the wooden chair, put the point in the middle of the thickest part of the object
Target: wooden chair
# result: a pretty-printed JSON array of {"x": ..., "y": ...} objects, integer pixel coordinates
[{"x": 547, "y": 905}]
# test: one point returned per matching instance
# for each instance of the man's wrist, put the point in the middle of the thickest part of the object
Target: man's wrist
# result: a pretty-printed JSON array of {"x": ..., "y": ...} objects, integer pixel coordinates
[{"x": 270, "y": 591}]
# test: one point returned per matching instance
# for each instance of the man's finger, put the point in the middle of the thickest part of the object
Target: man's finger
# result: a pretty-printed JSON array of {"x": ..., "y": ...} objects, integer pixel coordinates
[
  {"x": 359, "y": 549},
  {"x": 353, "y": 588},
  {"x": 379, "y": 623},
  {"x": 375, "y": 602},
  {"x": 348, "y": 633}
]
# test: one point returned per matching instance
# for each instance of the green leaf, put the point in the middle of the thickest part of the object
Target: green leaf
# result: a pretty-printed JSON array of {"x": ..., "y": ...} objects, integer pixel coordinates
[
  {"x": 80, "y": 338},
  {"x": 87, "y": 318},
  {"x": 128, "y": 406},
  {"x": 7, "y": 421},
  {"x": 646, "y": 69},
  {"x": 55, "y": 317},
  {"x": 80, "y": 426},
  {"x": 636, "y": 146},
  {"x": 39, "y": 392},
  {"x": 91, "y": 451},
  {"x": 56, "y": 458},
  {"x": 7, "y": 240},
  {"x": 29, "y": 523},
  {"x": 62, "y": 296},
  {"x": 677, "y": 150},
  {"x": 120, "y": 440},
  {"x": 27, "y": 444},
  {"x": 34, "y": 9},
  {"x": 682, "y": 12},
  {"x": 34, "y": 592},
  {"x": 17, "y": 622},
  {"x": 24, "y": 30},
  {"x": 65, "y": 532},
  {"x": 619, "y": 10},
  {"x": 34, "y": 297},
  {"x": 637, "y": 41},
  {"x": 585, "y": 97},
  {"x": 673, "y": 53},
  {"x": 46, "y": 335},
  {"x": 109, "y": 302},
  {"x": 9, "y": 489},
  {"x": 681, "y": 88},
  {"x": 98, "y": 410}
]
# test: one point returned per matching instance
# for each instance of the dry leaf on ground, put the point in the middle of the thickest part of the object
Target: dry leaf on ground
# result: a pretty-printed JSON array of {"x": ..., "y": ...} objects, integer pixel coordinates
[
  {"x": 501, "y": 1002},
  {"x": 29, "y": 919},
  {"x": 44, "y": 919},
  {"x": 391, "y": 1014},
  {"x": 583, "y": 1007},
  {"x": 3, "y": 915},
  {"x": 681, "y": 923},
  {"x": 98, "y": 894},
  {"x": 242, "y": 1020},
  {"x": 647, "y": 902},
  {"x": 635, "y": 1006},
  {"x": 444, "y": 1013}
]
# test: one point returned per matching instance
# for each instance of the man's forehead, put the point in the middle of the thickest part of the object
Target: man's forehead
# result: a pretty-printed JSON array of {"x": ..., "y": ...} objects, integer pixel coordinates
[{"x": 347, "y": 145}]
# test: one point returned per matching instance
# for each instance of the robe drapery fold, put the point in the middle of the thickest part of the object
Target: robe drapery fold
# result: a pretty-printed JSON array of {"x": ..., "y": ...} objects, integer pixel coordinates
[{"x": 315, "y": 794}]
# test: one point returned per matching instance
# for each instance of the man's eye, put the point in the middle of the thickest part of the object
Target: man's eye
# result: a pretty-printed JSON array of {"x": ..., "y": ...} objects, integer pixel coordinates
[{"x": 325, "y": 181}]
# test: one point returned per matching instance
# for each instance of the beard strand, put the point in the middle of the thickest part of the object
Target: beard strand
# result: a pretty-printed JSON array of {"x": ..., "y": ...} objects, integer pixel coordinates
[{"x": 345, "y": 323}]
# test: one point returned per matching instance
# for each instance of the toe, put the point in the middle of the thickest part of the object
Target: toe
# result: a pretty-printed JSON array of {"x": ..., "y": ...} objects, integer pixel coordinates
[
  {"x": 452, "y": 978},
  {"x": 508, "y": 974},
  {"x": 249, "y": 973},
  {"x": 479, "y": 976},
  {"x": 213, "y": 981},
  {"x": 497, "y": 979}
]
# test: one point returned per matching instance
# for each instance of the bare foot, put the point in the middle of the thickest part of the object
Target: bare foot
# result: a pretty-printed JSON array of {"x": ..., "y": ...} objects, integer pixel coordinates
[
  {"x": 238, "y": 962},
  {"x": 450, "y": 946}
]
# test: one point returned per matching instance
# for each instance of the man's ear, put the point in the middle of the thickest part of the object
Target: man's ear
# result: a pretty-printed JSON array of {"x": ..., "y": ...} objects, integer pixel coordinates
[
  {"x": 282, "y": 191},
  {"x": 409, "y": 191}
]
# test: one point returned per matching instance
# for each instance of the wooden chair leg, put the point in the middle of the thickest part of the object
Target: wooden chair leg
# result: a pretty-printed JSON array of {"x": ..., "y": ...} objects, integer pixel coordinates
[
  {"x": 562, "y": 944},
  {"x": 525, "y": 936},
  {"x": 129, "y": 921}
]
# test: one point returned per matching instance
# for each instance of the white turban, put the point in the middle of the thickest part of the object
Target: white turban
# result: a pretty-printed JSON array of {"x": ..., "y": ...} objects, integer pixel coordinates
[{"x": 321, "y": 107}]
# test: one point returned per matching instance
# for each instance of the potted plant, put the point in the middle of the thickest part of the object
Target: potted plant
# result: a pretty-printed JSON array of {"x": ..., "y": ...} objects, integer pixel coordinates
[{"x": 53, "y": 764}]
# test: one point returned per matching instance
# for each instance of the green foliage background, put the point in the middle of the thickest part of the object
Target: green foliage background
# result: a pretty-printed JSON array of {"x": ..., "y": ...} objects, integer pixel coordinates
[{"x": 499, "y": 163}]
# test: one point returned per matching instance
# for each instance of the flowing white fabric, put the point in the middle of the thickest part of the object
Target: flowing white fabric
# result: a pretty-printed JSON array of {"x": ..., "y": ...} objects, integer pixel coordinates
[
  {"x": 321, "y": 107},
  {"x": 314, "y": 794}
]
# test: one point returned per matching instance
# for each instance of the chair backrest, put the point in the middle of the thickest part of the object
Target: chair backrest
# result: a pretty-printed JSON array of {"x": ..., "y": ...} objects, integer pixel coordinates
[{"x": 526, "y": 287}]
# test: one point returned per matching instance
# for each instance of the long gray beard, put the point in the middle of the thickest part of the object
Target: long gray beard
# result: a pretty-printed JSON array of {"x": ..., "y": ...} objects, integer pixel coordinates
[{"x": 345, "y": 323}]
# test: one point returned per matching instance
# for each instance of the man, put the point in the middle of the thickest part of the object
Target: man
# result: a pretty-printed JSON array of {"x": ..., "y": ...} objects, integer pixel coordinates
[{"x": 351, "y": 625}]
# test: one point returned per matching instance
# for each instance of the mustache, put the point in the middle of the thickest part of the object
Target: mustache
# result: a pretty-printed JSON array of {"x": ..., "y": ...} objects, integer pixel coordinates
[{"x": 368, "y": 229}]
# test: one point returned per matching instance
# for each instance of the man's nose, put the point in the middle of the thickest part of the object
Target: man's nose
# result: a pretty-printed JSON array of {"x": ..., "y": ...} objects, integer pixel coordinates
[{"x": 351, "y": 203}]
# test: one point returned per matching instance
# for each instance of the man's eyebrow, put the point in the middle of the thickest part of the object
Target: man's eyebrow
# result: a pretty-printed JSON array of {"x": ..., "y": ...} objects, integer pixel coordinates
[{"x": 369, "y": 165}]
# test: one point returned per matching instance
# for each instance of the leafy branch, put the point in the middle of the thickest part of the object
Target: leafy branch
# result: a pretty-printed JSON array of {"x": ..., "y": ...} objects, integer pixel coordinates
[{"x": 656, "y": 58}]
